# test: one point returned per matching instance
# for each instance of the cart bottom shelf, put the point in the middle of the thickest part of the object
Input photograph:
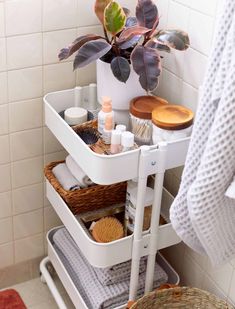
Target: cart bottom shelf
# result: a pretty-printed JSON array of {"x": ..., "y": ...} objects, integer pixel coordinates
[{"x": 68, "y": 283}]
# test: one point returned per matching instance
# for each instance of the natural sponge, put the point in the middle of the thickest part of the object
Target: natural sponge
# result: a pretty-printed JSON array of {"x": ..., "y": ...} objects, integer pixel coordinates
[{"x": 107, "y": 229}]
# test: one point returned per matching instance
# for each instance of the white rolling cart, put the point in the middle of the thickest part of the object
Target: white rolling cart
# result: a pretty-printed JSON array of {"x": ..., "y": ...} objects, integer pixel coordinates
[{"x": 138, "y": 163}]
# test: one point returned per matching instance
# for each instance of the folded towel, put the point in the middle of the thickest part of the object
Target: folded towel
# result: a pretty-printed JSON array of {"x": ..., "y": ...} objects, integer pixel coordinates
[
  {"x": 83, "y": 180},
  {"x": 118, "y": 273},
  {"x": 65, "y": 178},
  {"x": 96, "y": 295}
]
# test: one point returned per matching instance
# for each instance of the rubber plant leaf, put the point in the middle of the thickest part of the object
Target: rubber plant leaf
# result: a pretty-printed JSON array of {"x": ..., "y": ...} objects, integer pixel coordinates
[
  {"x": 79, "y": 42},
  {"x": 126, "y": 11},
  {"x": 121, "y": 68},
  {"x": 90, "y": 52},
  {"x": 130, "y": 43},
  {"x": 176, "y": 39},
  {"x": 100, "y": 6},
  {"x": 146, "y": 63},
  {"x": 129, "y": 33},
  {"x": 157, "y": 45},
  {"x": 147, "y": 14},
  {"x": 114, "y": 18},
  {"x": 131, "y": 21}
]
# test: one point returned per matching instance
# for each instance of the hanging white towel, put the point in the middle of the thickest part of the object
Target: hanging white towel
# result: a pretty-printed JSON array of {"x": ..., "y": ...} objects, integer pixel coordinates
[{"x": 201, "y": 214}]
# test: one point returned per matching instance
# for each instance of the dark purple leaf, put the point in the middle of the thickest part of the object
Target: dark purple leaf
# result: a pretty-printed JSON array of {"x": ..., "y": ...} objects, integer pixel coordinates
[
  {"x": 158, "y": 45},
  {"x": 176, "y": 39},
  {"x": 120, "y": 68},
  {"x": 146, "y": 13},
  {"x": 146, "y": 63},
  {"x": 130, "y": 43},
  {"x": 72, "y": 48},
  {"x": 131, "y": 21},
  {"x": 126, "y": 11},
  {"x": 90, "y": 52}
]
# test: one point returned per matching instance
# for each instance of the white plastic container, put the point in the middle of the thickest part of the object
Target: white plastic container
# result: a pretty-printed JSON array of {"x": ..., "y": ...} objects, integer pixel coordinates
[{"x": 171, "y": 123}]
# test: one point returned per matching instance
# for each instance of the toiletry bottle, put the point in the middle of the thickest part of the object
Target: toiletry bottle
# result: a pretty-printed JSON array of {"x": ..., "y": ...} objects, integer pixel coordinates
[
  {"x": 127, "y": 141},
  {"x": 115, "y": 142},
  {"x": 121, "y": 127},
  {"x": 107, "y": 131},
  {"x": 106, "y": 110}
]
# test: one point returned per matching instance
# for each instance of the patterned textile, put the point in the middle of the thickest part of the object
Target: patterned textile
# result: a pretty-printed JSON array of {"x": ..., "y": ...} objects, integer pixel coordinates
[
  {"x": 201, "y": 214},
  {"x": 96, "y": 295},
  {"x": 10, "y": 299}
]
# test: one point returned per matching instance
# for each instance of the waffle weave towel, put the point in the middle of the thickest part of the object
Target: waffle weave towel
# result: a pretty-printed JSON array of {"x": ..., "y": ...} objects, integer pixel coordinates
[{"x": 201, "y": 214}]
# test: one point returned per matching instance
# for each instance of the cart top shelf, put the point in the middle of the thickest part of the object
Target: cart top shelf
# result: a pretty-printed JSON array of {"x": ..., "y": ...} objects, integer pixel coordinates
[{"x": 103, "y": 169}]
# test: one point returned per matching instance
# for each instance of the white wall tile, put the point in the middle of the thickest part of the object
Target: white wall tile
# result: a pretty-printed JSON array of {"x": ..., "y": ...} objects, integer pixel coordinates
[
  {"x": 56, "y": 156},
  {"x": 189, "y": 97},
  {"x": 25, "y": 84},
  {"x": 2, "y": 20},
  {"x": 5, "y": 149},
  {"x": 210, "y": 286},
  {"x": 27, "y": 172},
  {"x": 23, "y": 16},
  {"x": 29, "y": 248},
  {"x": 51, "y": 144},
  {"x": 86, "y": 15},
  {"x": 25, "y": 115},
  {"x": 193, "y": 274},
  {"x": 26, "y": 144},
  {"x": 4, "y": 119},
  {"x": 27, "y": 198},
  {"x": 51, "y": 219},
  {"x": 6, "y": 234},
  {"x": 207, "y": 7},
  {"x": 174, "y": 62},
  {"x": 3, "y": 88},
  {"x": 195, "y": 67},
  {"x": 59, "y": 14},
  {"x": 54, "y": 41},
  {"x": 3, "y": 55},
  {"x": 171, "y": 87},
  {"x": 232, "y": 288},
  {"x": 24, "y": 51},
  {"x": 5, "y": 179},
  {"x": 5, "y": 205},
  {"x": 58, "y": 76},
  {"x": 200, "y": 24},
  {"x": 6, "y": 255},
  {"x": 162, "y": 6},
  {"x": 86, "y": 75},
  {"x": 178, "y": 16},
  {"x": 28, "y": 224}
]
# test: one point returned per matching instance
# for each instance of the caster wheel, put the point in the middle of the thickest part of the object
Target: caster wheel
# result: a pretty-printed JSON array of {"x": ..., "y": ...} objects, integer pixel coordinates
[{"x": 43, "y": 279}]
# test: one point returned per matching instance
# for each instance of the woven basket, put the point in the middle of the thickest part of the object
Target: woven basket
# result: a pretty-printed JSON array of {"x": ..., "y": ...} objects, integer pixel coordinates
[
  {"x": 87, "y": 199},
  {"x": 180, "y": 298}
]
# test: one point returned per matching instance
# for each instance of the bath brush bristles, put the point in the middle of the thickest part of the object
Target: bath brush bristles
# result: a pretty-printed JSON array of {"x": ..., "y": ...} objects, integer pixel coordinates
[{"x": 107, "y": 229}]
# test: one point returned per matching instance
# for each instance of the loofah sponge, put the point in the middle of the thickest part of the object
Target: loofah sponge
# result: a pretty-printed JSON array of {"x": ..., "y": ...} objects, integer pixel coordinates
[{"x": 107, "y": 229}]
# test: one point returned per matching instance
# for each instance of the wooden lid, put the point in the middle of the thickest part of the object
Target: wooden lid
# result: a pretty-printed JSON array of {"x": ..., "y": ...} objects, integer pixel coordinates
[
  {"x": 142, "y": 107},
  {"x": 172, "y": 117}
]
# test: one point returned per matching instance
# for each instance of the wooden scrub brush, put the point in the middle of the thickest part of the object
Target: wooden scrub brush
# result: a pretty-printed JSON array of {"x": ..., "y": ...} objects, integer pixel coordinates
[{"x": 107, "y": 229}]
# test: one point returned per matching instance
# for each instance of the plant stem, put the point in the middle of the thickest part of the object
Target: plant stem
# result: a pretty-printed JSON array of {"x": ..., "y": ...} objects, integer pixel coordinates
[
  {"x": 115, "y": 45},
  {"x": 106, "y": 35}
]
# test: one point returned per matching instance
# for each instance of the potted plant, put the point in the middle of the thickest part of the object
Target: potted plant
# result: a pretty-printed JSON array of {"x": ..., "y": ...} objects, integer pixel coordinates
[{"x": 128, "y": 59}]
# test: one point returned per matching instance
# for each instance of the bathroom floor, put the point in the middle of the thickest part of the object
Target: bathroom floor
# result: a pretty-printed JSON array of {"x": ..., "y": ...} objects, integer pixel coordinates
[{"x": 36, "y": 294}]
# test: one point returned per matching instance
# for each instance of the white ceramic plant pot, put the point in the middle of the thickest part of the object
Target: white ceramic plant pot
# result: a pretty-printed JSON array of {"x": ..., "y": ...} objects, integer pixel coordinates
[{"x": 120, "y": 93}]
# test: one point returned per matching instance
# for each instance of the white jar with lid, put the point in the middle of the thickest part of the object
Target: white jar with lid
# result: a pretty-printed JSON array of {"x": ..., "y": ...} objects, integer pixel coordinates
[
  {"x": 171, "y": 122},
  {"x": 130, "y": 208}
]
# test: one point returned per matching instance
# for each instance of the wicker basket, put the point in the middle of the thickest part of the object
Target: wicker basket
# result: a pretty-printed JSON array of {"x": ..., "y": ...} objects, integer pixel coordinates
[
  {"x": 87, "y": 199},
  {"x": 180, "y": 298}
]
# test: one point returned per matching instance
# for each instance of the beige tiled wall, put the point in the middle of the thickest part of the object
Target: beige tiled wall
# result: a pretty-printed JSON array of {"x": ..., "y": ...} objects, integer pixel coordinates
[
  {"x": 31, "y": 33},
  {"x": 182, "y": 75}
]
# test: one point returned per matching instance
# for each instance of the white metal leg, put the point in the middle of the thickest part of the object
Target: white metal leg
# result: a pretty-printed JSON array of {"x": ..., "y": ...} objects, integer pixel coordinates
[{"x": 51, "y": 285}]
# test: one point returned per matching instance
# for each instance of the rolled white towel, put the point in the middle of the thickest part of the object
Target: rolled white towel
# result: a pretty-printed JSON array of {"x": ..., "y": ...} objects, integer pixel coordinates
[
  {"x": 83, "y": 180},
  {"x": 65, "y": 178}
]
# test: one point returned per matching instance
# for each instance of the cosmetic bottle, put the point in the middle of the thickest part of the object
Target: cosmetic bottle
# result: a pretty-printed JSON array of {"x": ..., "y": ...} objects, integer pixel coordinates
[
  {"x": 127, "y": 141},
  {"x": 115, "y": 142},
  {"x": 121, "y": 127},
  {"x": 106, "y": 110},
  {"x": 107, "y": 131}
]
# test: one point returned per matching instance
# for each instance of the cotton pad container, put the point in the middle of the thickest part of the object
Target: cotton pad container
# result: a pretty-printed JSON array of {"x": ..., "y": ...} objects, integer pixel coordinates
[
  {"x": 171, "y": 122},
  {"x": 141, "y": 114}
]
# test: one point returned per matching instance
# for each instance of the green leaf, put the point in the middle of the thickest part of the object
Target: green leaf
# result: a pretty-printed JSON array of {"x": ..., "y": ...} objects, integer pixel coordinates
[
  {"x": 147, "y": 14},
  {"x": 146, "y": 63},
  {"x": 176, "y": 39},
  {"x": 121, "y": 68},
  {"x": 79, "y": 42},
  {"x": 114, "y": 18},
  {"x": 100, "y": 5},
  {"x": 90, "y": 52}
]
